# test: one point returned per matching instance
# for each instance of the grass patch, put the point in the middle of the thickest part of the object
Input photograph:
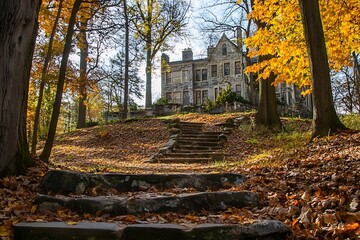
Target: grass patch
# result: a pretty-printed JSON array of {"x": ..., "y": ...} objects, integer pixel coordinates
[
  {"x": 272, "y": 147},
  {"x": 351, "y": 121}
]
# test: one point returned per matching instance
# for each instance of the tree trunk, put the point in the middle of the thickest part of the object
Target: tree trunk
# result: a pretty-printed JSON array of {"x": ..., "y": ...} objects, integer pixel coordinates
[
  {"x": 43, "y": 80},
  {"x": 18, "y": 28},
  {"x": 57, "y": 103},
  {"x": 267, "y": 115},
  {"x": 325, "y": 119},
  {"x": 357, "y": 80},
  {"x": 148, "y": 95},
  {"x": 126, "y": 77},
  {"x": 84, "y": 51}
]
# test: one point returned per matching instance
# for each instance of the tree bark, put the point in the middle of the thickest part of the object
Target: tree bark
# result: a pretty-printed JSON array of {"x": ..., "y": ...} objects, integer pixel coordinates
[
  {"x": 126, "y": 77},
  {"x": 18, "y": 28},
  {"x": 357, "y": 80},
  {"x": 45, "y": 155},
  {"x": 43, "y": 81},
  {"x": 325, "y": 119},
  {"x": 84, "y": 51},
  {"x": 267, "y": 115}
]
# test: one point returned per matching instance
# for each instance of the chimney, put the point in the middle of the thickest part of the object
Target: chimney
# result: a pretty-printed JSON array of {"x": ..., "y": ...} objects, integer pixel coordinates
[{"x": 187, "y": 54}]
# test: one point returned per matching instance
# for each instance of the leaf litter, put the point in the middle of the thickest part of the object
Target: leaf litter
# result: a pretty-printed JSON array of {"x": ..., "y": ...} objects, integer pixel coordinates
[{"x": 313, "y": 188}]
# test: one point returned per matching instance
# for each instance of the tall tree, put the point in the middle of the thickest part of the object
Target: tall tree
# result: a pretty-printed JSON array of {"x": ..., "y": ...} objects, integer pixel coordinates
[
  {"x": 127, "y": 52},
  {"x": 84, "y": 52},
  {"x": 267, "y": 114},
  {"x": 43, "y": 80},
  {"x": 325, "y": 119},
  {"x": 60, "y": 85},
  {"x": 18, "y": 27},
  {"x": 157, "y": 21}
]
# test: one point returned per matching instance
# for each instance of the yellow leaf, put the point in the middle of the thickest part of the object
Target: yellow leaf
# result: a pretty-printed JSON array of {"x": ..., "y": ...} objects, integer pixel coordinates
[
  {"x": 72, "y": 223},
  {"x": 4, "y": 231}
]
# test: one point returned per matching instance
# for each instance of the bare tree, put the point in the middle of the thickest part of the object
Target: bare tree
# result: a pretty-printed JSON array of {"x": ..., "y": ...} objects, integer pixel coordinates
[{"x": 156, "y": 22}]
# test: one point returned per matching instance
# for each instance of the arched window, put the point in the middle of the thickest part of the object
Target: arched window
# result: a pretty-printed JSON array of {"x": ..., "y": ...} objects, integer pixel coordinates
[{"x": 224, "y": 49}]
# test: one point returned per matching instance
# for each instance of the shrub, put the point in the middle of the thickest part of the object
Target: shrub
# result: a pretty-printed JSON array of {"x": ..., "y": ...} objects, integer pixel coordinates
[
  {"x": 209, "y": 105},
  {"x": 161, "y": 101}
]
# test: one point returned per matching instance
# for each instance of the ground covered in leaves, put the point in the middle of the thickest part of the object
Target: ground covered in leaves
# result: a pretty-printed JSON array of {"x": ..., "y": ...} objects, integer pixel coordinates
[{"x": 312, "y": 187}]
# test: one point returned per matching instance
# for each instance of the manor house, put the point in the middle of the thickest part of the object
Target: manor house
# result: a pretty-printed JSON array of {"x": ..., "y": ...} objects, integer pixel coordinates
[{"x": 190, "y": 82}]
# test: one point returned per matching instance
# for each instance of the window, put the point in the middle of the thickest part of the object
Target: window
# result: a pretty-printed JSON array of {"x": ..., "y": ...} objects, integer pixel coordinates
[
  {"x": 238, "y": 89},
  {"x": 177, "y": 97},
  {"x": 237, "y": 67},
  {"x": 204, "y": 96},
  {"x": 168, "y": 96},
  {"x": 201, "y": 96},
  {"x": 226, "y": 69},
  {"x": 204, "y": 74},
  {"x": 168, "y": 77},
  {"x": 176, "y": 77},
  {"x": 216, "y": 93},
  {"x": 186, "y": 98},
  {"x": 213, "y": 70},
  {"x": 198, "y": 97},
  {"x": 185, "y": 75},
  {"x": 198, "y": 75},
  {"x": 201, "y": 75},
  {"x": 224, "y": 49}
]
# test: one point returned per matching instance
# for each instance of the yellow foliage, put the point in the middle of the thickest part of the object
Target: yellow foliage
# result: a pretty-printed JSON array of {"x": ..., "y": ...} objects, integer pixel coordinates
[{"x": 283, "y": 38}]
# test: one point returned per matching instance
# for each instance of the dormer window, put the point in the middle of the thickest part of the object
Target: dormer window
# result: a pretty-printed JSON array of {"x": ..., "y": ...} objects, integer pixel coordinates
[{"x": 224, "y": 49}]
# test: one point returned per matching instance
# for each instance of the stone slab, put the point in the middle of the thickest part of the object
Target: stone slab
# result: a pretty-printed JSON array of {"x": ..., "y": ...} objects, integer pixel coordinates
[
  {"x": 64, "y": 231},
  {"x": 259, "y": 230},
  {"x": 65, "y": 182},
  {"x": 182, "y": 203}
]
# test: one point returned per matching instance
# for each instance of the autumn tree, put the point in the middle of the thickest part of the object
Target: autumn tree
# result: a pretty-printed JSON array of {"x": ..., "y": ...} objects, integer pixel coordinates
[
  {"x": 91, "y": 38},
  {"x": 156, "y": 22},
  {"x": 127, "y": 51},
  {"x": 60, "y": 85},
  {"x": 18, "y": 27},
  {"x": 43, "y": 79},
  {"x": 325, "y": 119}
]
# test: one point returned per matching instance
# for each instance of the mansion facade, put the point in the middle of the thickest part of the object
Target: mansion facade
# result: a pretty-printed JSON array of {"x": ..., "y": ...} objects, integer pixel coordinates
[{"x": 190, "y": 82}]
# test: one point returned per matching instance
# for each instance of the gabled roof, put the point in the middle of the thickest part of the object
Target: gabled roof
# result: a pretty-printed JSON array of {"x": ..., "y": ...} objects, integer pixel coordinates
[{"x": 224, "y": 37}]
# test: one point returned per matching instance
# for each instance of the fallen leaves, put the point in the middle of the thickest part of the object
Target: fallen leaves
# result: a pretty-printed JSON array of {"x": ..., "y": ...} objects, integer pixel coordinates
[{"x": 314, "y": 188}]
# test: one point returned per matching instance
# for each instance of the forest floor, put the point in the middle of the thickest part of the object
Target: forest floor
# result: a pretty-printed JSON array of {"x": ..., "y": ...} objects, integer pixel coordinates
[{"x": 312, "y": 187}]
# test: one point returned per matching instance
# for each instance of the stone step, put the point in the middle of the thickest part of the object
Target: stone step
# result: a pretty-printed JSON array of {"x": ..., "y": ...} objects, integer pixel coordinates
[
  {"x": 196, "y": 151},
  {"x": 185, "y": 160},
  {"x": 261, "y": 230},
  {"x": 65, "y": 182},
  {"x": 196, "y": 148},
  {"x": 202, "y": 133},
  {"x": 198, "y": 143},
  {"x": 199, "y": 136},
  {"x": 147, "y": 203},
  {"x": 188, "y": 139},
  {"x": 191, "y": 124},
  {"x": 216, "y": 156}
]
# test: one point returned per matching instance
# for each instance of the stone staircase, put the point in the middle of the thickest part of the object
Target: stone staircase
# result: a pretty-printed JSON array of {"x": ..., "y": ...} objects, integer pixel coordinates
[
  {"x": 191, "y": 144},
  {"x": 115, "y": 194}
]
